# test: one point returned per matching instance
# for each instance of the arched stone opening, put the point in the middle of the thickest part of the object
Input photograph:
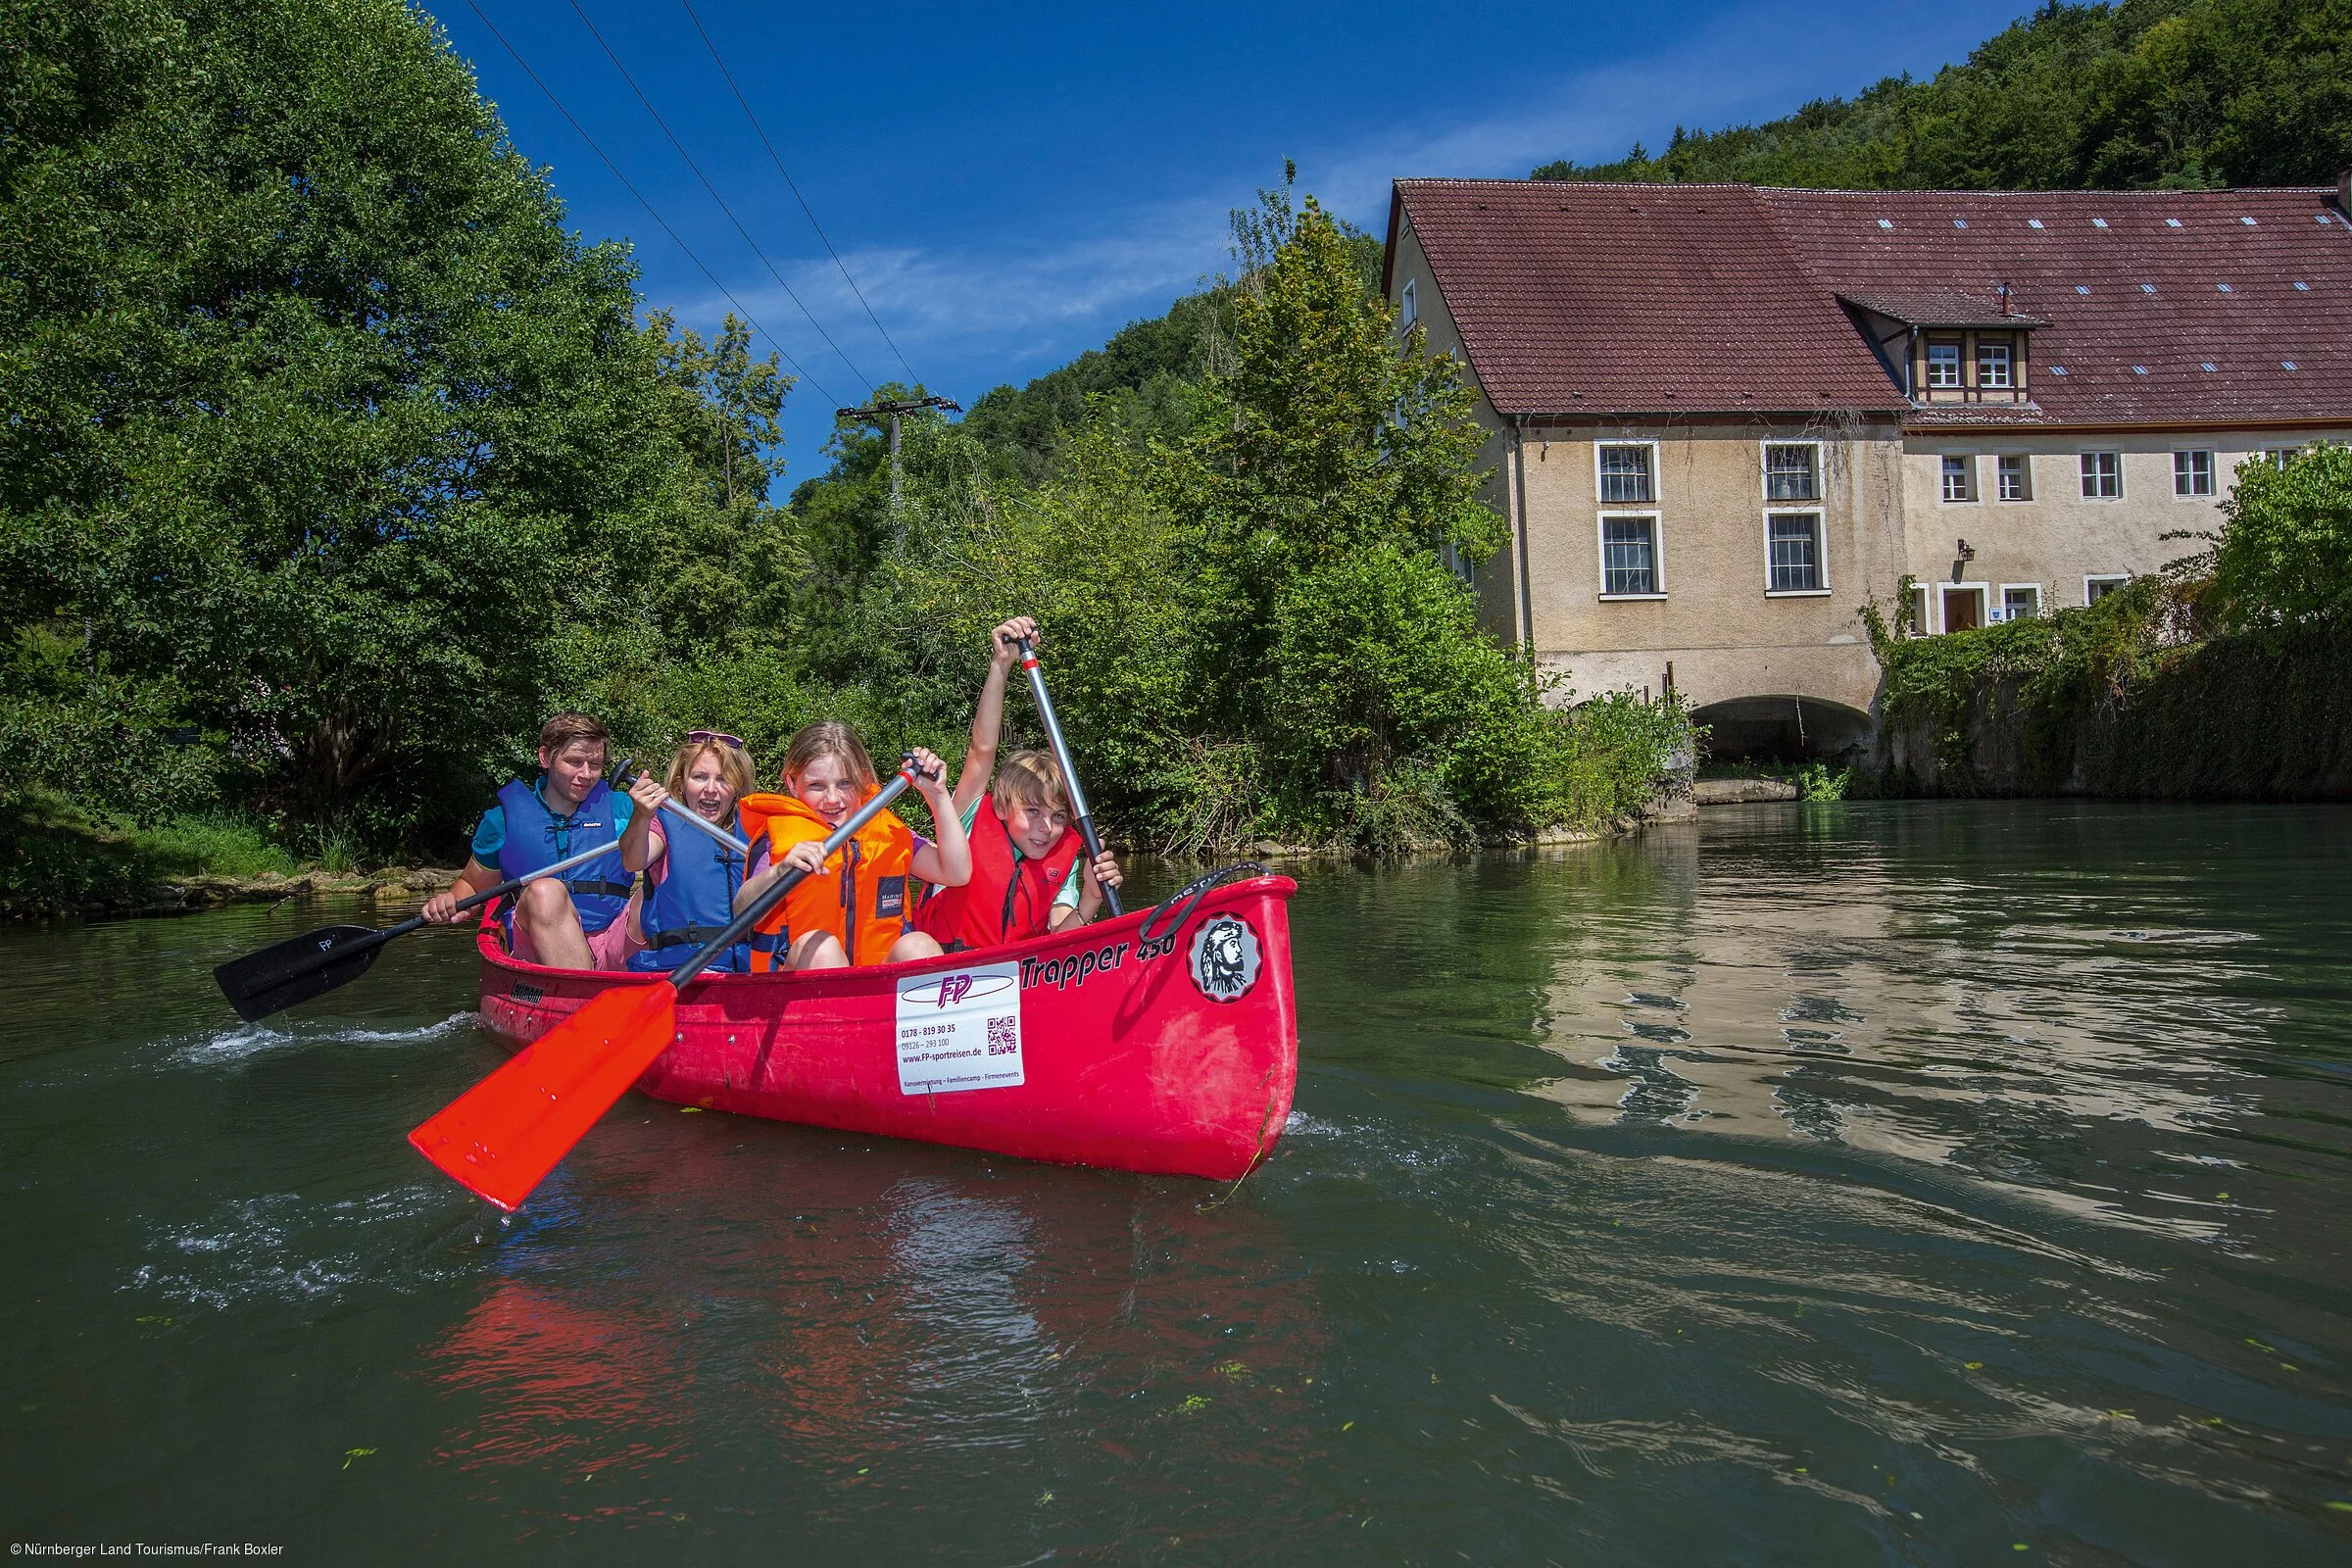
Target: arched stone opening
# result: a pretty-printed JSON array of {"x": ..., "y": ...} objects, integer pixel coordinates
[{"x": 1781, "y": 729}]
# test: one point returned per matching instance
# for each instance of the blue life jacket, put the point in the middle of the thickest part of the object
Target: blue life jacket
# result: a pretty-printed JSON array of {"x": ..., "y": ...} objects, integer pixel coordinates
[
  {"x": 692, "y": 904},
  {"x": 537, "y": 837}
]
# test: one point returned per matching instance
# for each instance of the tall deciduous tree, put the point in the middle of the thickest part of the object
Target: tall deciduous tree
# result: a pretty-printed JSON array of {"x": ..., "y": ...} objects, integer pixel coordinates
[{"x": 314, "y": 412}]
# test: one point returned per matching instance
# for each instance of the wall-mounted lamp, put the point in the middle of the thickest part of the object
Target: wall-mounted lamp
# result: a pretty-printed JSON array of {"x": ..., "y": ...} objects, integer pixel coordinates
[{"x": 1967, "y": 551}]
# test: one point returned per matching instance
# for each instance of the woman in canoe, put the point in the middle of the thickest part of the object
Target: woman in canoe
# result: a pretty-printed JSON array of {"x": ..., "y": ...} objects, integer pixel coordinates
[
  {"x": 690, "y": 883},
  {"x": 858, "y": 906}
]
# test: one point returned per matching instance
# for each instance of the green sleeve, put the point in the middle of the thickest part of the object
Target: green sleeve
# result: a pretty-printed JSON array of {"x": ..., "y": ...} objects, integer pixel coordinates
[
  {"x": 1067, "y": 898},
  {"x": 971, "y": 813}
]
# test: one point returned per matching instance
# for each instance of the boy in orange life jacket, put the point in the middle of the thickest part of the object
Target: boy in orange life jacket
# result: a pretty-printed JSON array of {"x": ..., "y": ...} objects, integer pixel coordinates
[
  {"x": 857, "y": 908},
  {"x": 1029, "y": 871}
]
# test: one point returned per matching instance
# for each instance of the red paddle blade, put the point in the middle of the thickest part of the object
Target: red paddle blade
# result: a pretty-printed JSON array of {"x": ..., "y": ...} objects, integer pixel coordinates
[{"x": 499, "y": 1137}]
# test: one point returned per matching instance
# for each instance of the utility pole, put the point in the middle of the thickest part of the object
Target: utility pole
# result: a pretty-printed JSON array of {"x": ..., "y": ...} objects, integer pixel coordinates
[{"x": 889, "y": 413}]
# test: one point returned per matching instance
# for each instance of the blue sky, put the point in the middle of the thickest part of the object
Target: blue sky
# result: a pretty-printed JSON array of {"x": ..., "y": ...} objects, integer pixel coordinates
[{"x": 1010, "y": 187}]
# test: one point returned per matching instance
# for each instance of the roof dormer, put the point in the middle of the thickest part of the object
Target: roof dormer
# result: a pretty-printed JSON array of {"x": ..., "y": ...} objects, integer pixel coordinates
[{"x": 1949, "y": 348}]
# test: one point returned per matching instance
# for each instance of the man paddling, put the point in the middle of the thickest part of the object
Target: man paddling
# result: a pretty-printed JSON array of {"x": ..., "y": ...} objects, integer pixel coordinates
[{"x": 568, "y": 922}]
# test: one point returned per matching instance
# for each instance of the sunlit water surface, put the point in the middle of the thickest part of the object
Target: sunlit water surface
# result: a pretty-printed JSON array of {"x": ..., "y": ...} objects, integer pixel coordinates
[{"x": 1904, "y": 1183}]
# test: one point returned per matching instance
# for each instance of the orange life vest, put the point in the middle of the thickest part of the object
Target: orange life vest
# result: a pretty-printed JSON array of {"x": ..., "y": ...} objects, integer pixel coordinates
[
  {"x": 1009, "y": 896},
  {"x": 863, "y": 895}
]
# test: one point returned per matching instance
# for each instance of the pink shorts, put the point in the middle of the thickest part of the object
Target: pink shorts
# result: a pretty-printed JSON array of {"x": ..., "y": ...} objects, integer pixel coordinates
[{"x": 609, "y": 948}]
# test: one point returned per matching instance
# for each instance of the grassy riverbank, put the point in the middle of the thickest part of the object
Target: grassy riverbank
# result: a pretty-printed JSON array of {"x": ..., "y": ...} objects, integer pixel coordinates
[{"x": 57, "y": 859}]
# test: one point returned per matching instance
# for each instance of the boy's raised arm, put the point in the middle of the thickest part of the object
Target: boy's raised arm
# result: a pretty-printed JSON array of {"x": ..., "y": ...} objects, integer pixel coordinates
[{"x": 988, "y": 717}]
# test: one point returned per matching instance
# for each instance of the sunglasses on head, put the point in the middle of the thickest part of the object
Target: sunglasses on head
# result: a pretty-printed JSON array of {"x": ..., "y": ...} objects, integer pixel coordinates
[{"x": 698, "y": 736}]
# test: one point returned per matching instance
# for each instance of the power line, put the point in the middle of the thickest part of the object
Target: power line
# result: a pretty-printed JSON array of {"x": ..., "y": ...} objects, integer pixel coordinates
[
  {"x": 714, "y": 195},
  {"x": 642, "y": 202},
  {"x": 795, "y": 188}
]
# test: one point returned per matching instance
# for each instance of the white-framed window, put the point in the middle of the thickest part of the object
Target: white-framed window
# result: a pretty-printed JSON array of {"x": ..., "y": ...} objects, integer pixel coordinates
[
  {"x": 1943, "y": 364},
  {"x": 1959, "y": 477},
  {"x": 2280, "y": 456},
  {"x": 1794, "y": 561},
  {"x": 2097, "y": 588},
  {"x": 2192, "y": 473},
  {"x": 1408, "y": 310},
  {"x": 1627, "y": 472},
  {"x": 2019, "y": 601},
  {"x": 1993, "y": 364},
  {"x": 2014, "y": 475},
  {"x": 1632, "y": 564},
  {"x": 1919, "y": 624},
  {"x": 1792, "y": 470},
  {"x": 2102, "y": 475},
  {"x": 1961, "y": 605}
]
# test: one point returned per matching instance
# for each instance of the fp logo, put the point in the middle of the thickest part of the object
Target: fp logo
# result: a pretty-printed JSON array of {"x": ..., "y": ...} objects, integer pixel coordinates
[{"x": 954, "y": 988}]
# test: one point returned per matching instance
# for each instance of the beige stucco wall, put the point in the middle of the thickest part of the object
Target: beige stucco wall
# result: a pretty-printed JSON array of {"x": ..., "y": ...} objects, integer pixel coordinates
[
  {"x": 1726, "y": 635},
  {"x": 1496, "y": 580},
  {"x": 2058, "y": 538}
]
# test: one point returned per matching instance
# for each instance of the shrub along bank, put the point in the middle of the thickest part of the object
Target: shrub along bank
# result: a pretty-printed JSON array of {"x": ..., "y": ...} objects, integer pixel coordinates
[{"x": 2229, "y": 677}]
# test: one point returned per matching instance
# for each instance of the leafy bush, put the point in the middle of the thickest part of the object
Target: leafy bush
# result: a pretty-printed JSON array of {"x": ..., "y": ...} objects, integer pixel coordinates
[{"x": 2285, "y": 555}]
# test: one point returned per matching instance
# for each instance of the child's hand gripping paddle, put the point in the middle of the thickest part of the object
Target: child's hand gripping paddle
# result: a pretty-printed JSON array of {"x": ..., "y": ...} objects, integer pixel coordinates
[
  {"x": 318, "y": 961},
  {"x": 504, "y": 1135},
  {"x": 1069, "y": 774}
]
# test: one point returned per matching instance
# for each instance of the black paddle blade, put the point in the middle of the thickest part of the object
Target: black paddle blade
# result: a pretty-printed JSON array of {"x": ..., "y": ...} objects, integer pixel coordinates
[{"x": 297, "y": 969}]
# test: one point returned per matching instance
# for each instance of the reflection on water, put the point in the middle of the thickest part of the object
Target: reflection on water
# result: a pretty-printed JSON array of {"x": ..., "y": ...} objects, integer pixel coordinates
[
  {"x": 882, "y": 1321},
  {"x": 1923, "y": 1183},
  {"x": 1993, "y": 1022}
]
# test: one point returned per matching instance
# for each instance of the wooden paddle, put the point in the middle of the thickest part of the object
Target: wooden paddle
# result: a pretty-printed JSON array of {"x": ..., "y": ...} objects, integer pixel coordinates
[
  {"x": 504, "y": 1135},
  {"x": 318, "y": 961},
  {"x": 1069, "y": 774}
]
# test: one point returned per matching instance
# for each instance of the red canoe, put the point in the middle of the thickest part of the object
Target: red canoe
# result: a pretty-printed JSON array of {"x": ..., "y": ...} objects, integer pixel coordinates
[{"x": 1173, "y": 1052}]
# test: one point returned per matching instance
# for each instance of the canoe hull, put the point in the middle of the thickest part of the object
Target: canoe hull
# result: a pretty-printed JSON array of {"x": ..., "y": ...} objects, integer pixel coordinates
[{"x": 1176, "y": 1055}]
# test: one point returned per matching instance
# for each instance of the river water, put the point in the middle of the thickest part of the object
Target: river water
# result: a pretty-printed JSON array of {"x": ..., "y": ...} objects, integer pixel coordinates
[{"x": 1835, "y": 1184}]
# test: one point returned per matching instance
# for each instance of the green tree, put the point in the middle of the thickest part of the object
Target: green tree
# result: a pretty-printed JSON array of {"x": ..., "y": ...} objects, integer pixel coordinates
[
  {"x": 314, "y": 415},
  {"x": 2284, "y": 554},
  {"x": 1330, "y": 469}
]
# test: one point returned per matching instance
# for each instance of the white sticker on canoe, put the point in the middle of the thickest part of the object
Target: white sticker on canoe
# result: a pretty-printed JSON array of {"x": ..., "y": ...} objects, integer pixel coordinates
[{"x": 960, "y": 1030}]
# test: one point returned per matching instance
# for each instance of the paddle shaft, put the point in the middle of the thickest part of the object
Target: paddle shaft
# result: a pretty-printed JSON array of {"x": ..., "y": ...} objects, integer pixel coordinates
[
  {"x": 1069, "y": 774},
  {"x": 712, "y": 830},
  {"x": 756, "y": 910},
  {"x": 376, "y": 939}
]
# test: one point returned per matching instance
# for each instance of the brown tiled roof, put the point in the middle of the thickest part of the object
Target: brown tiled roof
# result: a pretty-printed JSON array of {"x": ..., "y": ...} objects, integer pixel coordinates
[
  {"x": 2143, "y": 289},
  {"x": 1609, "y": 298},
  {"x": 1635, "y": 298}
]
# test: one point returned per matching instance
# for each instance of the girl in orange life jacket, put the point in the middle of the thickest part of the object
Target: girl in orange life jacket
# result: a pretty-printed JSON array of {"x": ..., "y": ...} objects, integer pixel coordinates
[
  {"x": 1029, "y": 874},
  {"x": 690, "y": 878},
  {"x": 858, "y": 906}
]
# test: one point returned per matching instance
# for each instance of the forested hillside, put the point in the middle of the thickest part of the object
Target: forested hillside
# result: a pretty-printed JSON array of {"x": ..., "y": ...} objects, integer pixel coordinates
[
  {"x": 2190, "y": 93},
  {"x": 1142, "y": 375}
]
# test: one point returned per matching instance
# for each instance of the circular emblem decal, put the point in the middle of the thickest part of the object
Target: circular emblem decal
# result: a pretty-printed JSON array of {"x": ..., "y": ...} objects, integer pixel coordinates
[{"x": 1224, "y": 959}]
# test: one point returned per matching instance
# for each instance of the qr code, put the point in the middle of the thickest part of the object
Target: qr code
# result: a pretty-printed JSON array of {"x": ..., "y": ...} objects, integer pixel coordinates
[{"x": 1003, "y": 1034}]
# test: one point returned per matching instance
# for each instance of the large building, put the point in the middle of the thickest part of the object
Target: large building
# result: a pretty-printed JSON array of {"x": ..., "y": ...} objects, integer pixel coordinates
[{"x": 1724, "y": 419}]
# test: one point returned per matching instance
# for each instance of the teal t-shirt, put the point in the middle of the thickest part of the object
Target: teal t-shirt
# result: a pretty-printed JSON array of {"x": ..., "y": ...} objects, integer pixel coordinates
[
  {"x": 1067, "y": 897},
  {"x": 490, "y": 835}
]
